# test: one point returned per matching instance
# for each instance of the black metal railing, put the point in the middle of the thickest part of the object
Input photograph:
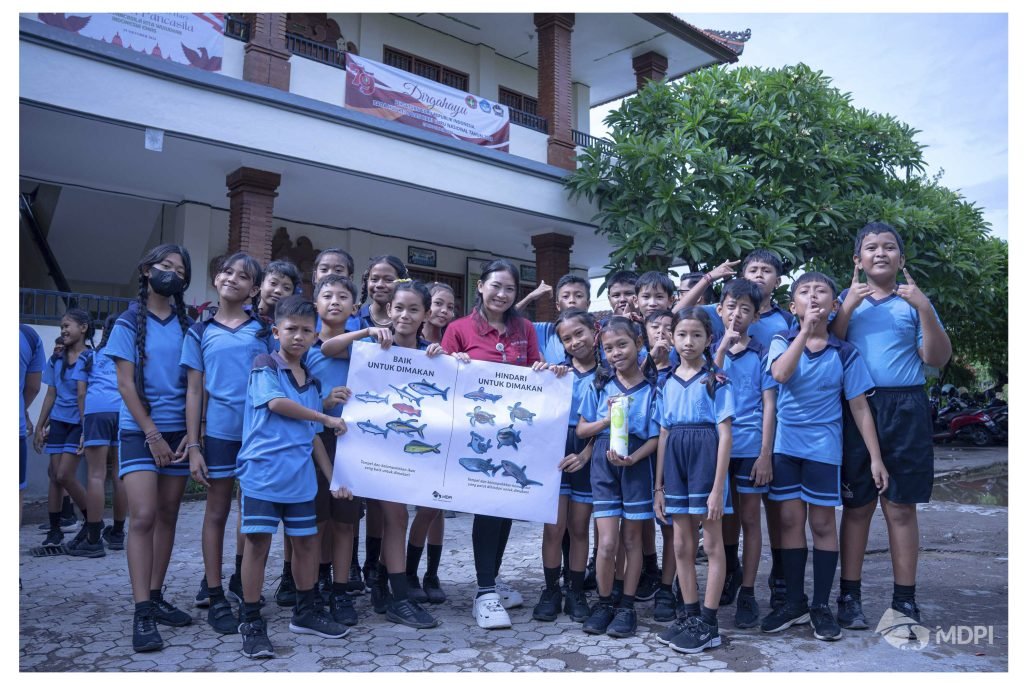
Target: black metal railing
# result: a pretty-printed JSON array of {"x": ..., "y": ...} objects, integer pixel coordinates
[
  {"x": 527, "y": 120},
  {"x": 318, "y": 52},
  {"x": 236, "y": 28},
  {"x": 43, "y": 306},
  {"x": 581, "y": 139}
]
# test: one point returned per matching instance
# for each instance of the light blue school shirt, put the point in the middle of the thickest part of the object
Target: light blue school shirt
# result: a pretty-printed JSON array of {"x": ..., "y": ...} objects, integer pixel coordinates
[
  {"x": 774, "y": 321},
  {"x": 224, "y": 355},
  {"x": 687, "y": 402},
  {"x": 594, "y": 406},
  {"x": 65, "y": 405},
  {"x": 331, "y": 372},
  {"x": 810, "y": 413},
  {"x": 32, "y": 359},
  {"x": 551, "y": 347},
  {"x": 581, "y": 383},
  {"x": 746, "y": 372},
  {"x": 99, "y": 372},
  {"x": 717, "y": 326}
]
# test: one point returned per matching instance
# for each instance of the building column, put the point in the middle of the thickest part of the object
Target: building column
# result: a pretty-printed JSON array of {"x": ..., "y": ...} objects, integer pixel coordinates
[
  {"x": 650, "y": 66},
  {"x": 554, "y": 85},
  {"x": 250, "y": 226},
  {"x": 266, "y": 53},
  {"x": 552, "y": 252}
]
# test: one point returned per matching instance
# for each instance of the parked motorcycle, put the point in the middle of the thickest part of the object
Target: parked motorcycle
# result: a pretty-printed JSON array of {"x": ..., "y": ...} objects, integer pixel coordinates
[{"x": 973, "y": 426}]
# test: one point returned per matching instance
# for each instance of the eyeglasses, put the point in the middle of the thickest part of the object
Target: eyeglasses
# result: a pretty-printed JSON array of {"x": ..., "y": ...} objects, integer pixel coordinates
[{"x": 500, "y": 348}]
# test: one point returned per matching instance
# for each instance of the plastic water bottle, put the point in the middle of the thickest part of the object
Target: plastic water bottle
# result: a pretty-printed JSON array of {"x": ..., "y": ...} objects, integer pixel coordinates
[{"x": 619, "y": 429}]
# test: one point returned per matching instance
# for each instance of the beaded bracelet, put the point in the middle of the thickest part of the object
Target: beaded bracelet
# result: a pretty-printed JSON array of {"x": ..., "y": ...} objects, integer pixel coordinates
[
  {"x": 660, "y": 490},
  {"x": 190, "y": 446},
  {"x": 153, "y": 437}
]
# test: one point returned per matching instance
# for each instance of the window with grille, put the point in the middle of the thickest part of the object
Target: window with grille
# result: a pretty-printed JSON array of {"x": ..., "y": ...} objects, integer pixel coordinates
[
  {"x": 456, "y": 282},
  {"x": 426, "y": 69},
  {"x": 517, "y": 100}
]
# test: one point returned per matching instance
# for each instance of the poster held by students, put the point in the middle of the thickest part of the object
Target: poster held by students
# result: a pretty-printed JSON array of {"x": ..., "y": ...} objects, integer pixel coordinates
[{"x": 476, "y": 437}]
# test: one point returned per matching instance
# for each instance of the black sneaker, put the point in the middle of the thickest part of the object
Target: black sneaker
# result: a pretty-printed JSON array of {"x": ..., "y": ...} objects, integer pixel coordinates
[
  {"x": 410, "y": 613},
  {"x": 590, "y": 576},
  {"x": 255, "y": 643},
  {"x": 416, "y": 592},
  {"x": 647, "y": 587},
  {"x": 285, "y": 595},
  {"x": 202, "y": 598},
  {"x": 825, "y": 625},
  {"x": 342, "y": 610},
  {"x": 86, "y": 549},
  {"x": 53, "y": 538},
  {"x": 733, "y": 581},
  {"x": 664, "y": 605},
  {"x": 747, "y": 611},
  {"x": 666, "y": 636},
  {"x": 318, "y": 623},
  {"x": 79, "y": 537},
  {"x": 908, "y": 608},
  {"x": 69, "y": 522},
  {"x": 624, "y": 623},
  {"x": 380, "y": 596},
  {"x": 145, "y": 637},
  {"x": 850, "y": 614},
  {"x": 113, "y": 539},
  {"x": 576, "y": 606},
  {"x": 697, "y": 636},
  {"x": 221, "y": 618},
  {"x": 167, "y": 614},
  {"x": 355, "y": 581},
  {"x": 599, "y": 619},
  {"x": 777, "y": 586},
  {"x": 783, "y": 617},
  {"x": 432, "y": 586},
  {"x": 549, "y": 605}
]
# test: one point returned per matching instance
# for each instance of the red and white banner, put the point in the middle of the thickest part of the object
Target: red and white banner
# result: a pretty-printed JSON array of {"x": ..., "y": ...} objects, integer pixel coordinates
[
  {"x": 389, "y": 93},
  {"x": 193, "y": 39}
]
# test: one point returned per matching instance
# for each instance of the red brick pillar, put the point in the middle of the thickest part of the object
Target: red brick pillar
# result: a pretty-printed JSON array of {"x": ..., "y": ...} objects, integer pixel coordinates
[
  {"x": 650, "y": 66},
  {"x": 250, "y": 226},
  {"x": 266, "y": 54},
  {"x": 554, "y": 85},
  {"x": 552, "y": 252}
]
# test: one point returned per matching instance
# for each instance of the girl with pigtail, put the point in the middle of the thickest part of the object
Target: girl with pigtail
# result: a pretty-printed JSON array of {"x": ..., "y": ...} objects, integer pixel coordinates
[
  {"x": 146, "y": 344},
  {"x": 694, "y": 411},
  {"x": 217, "y": 356}
]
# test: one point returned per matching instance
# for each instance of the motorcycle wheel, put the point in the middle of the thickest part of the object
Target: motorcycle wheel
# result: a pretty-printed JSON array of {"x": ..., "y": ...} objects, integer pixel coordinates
[{"x": 979, "y": 436}]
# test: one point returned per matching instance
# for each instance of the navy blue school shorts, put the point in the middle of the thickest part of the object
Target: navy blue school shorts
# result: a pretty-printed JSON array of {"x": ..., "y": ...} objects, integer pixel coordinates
[
  {"x": 220, "y": 456},
  {"x": 816, "y": 483},
  {"x": 626, "y": 492},
  {"x": 691, "y": 457},
  {"x": 903, "y": 421},
  {"x": 101, "y": 429},
  {"x": 262, "y": 517},
  {"x": 739, "y": 472},
  {"x": 23, "y": 464},
  {"x": 63, "y": 437},
  {"x": 134, "y": 456},
  {"x": 576, "y": 485},
  {"x": 327, "y": 506}
]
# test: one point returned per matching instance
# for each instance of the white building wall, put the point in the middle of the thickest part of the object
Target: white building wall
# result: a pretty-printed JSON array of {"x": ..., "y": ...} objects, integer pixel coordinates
[
  {"x": 234, "y": 58},
  {"x": 528, "y": 143},
  {"x": 317, "y": 81}
]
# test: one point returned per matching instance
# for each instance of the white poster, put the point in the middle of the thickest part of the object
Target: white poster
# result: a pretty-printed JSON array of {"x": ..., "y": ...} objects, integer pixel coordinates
[{"x": 476, "y": 437}]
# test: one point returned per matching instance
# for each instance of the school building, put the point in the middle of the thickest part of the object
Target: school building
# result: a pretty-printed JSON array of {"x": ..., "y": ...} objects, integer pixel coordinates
[{"x": 122, "y": 148}]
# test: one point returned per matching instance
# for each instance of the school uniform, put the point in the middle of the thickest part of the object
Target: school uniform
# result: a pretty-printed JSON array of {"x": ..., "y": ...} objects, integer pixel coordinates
[
  {"x": 626, "y": 492},
  {"x": 359, "y": 320},
  {"x": 746, "y": 371},
  {"x": 551, "y": 347},
  {"x": 224, "y": 355},
  {"x": 164, "y": 383},
  {"x": 275, "y": 468},
  {"x": 691, "y": 415},
  {"x": 32, "y": 359},
  {"x": 576, "y": 484},
  {"x": 770, "y": 323},
  {"x": 102, "y": 398},
  {"x": 808, "y": 437},
  {"x": 887, "y": 332},
  {"x": 717, "y": 326},
  {"x": 65, "y": 421}
]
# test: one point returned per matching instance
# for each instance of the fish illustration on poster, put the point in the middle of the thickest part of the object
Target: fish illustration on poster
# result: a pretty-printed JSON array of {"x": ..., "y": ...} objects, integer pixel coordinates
[{"x": 432, "y": 443}]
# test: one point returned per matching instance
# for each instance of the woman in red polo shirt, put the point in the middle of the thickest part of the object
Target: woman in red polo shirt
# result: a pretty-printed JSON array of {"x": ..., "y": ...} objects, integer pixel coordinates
[{"x": 495, "y": 332}]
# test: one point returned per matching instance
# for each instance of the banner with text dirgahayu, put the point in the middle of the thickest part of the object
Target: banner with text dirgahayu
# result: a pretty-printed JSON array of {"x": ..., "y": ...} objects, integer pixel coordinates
[
  {"x": 476, "y": 437},
  {"x": 396, "y": 95}
]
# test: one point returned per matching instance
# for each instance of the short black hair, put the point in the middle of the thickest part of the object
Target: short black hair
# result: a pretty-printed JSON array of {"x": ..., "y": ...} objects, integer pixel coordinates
[
  {"x": 345, "y": 256},
  {"x": 619, "y": 277},
  {"x": 654, "y": 278},
  {"x": 738, "y": 288},
  {"x": 816, "y": 277},
  {"x": 294, "y": 307},
  {"x": 876, "y": 228},
  {"x": 571, "y": 279},
  {"x": 333, "y": 279},
  {"x": 762, "y": 256},
  {"x": 285, "y": 268}
]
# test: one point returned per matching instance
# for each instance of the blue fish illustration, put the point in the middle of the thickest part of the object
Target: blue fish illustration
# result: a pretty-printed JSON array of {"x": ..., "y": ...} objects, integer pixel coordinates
[
  {"x": 420, "y": 447},
  {"x": 508, "y": 437},
  {"x": 481, "y": 395},
  {"x": 517, "y": 412},
  {"x": 405, "y": 393},
  {"x": 518, "y": 473},
  {"x": 428, "y": 389},
  {"x": 370, "y": 397},
  {"x": 479, "y": 465},
  {"x": 368, "y": 427},
  {"x": 478, "y": 444},
  {"x": 479, "y": 415},
  {"x": 406, "y": 427}
]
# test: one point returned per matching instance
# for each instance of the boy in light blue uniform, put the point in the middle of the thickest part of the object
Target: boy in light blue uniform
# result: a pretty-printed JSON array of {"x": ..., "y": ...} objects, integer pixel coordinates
[
  {"x": 282, "y": 420},
  {"x": 896, "y": 329},
  {"x": 571, "y": 291},
  {"x": 814, "y": 370},
  {"x": 32, "y": 359}
]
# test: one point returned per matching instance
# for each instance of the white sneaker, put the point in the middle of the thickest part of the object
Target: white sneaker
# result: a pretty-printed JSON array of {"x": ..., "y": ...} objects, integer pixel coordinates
[
  {"x": 510, "y": 597},
  {"x": 489, "y": 613}
]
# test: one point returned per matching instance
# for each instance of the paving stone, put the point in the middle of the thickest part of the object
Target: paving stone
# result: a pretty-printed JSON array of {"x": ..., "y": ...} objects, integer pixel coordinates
[
  {"x": 498, "y": 666},
  {"x": 551, "y": 664}
]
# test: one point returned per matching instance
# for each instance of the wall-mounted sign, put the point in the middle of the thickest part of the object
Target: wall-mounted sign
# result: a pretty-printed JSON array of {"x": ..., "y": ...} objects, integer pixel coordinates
[{"x": 426, "y": 258}]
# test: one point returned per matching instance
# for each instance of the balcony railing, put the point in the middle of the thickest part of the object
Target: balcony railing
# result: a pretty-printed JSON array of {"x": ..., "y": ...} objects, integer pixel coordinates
[
  {"x": 236, "y": 28},
  {"x": 318, "y": 52},
  {"x": 527, "y": 120},
  {"x": 46, "y": 306},
  {"x": 581, "y": 139}
]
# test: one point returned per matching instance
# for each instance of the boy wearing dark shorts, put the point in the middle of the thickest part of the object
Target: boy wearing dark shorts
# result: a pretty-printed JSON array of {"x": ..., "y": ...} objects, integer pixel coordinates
[{"x": 898, "y": 332}]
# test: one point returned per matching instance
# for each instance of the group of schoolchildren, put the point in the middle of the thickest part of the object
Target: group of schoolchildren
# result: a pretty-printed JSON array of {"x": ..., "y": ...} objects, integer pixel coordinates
[{"x": 729, "y": 406}]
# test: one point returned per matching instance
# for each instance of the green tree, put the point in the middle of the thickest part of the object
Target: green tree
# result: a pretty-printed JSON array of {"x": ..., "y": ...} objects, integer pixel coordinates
[{"x": 728, "y": 159}]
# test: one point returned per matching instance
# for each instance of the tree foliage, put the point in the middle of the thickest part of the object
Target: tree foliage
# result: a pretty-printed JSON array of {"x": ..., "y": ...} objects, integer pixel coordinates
[{"x": 728, "y": 159}]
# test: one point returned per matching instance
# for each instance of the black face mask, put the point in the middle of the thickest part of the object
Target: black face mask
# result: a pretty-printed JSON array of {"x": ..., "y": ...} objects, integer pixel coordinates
[{"x": 166, "y": 282}]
